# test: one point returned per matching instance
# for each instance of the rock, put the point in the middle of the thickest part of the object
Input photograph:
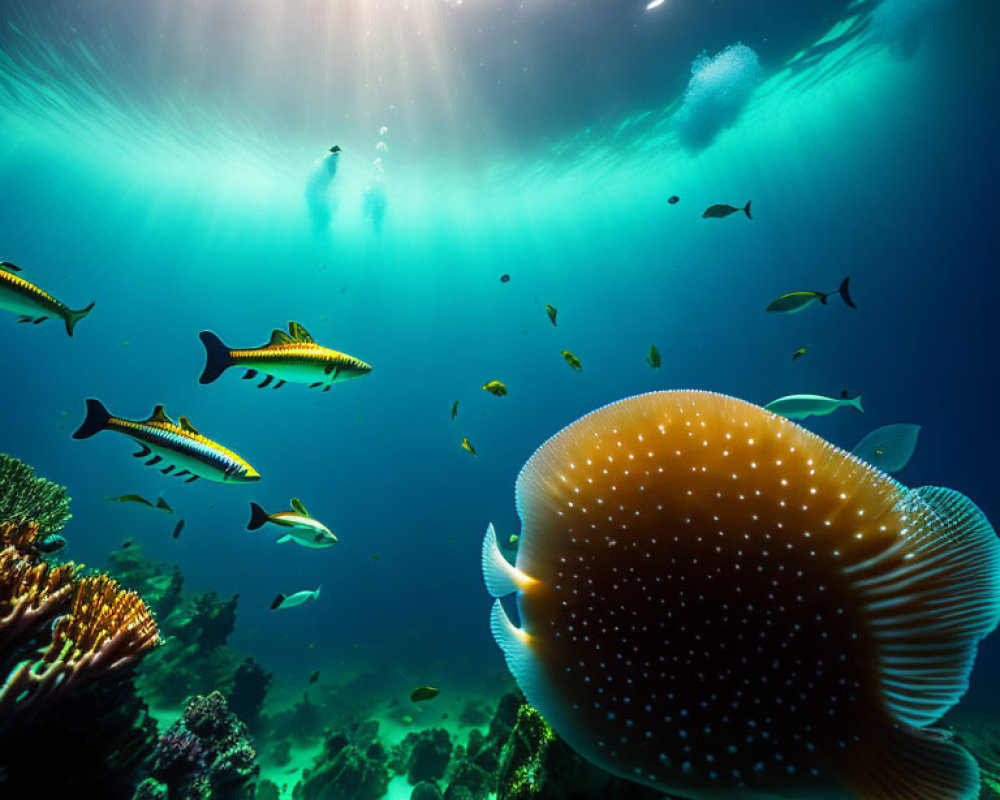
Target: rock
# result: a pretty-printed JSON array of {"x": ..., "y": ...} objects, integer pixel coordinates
[
  {"x": 351, "y": 766},
  {"x": 426, "y": 791},
  {"x": 429, "y": 756}
]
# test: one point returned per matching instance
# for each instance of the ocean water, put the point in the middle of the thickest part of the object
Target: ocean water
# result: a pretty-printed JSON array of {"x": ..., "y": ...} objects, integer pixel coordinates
[{"x": 161, "y": 160}]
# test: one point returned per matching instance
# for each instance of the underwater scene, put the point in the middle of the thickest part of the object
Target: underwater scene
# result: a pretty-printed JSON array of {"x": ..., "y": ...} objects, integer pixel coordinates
[{"x": 466, "y": 399}]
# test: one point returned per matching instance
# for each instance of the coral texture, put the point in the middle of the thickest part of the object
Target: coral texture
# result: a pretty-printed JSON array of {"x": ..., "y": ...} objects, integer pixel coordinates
[{"x": 24, "y": 497}]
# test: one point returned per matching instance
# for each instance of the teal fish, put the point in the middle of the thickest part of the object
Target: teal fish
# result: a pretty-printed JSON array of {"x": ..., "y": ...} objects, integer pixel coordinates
[
  {"x": 30, "y": 303},
  {"x": 653, "y": 359},
  {"x": 793, "y": 302},
  {"x": 176, "y": 445},
  {"x": 889, "y": 448},
  {"x": 801, "y": 406},
  {"x": 723, "y": 210},
  {"x": 291, "y": 600}
]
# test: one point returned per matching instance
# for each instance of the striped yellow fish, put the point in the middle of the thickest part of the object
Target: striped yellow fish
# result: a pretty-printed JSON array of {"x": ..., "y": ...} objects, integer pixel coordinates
[
  {"x": 31, "y": 303},
  {"x": 292, "y": 357},
  {"x": 178, "y": 446}
]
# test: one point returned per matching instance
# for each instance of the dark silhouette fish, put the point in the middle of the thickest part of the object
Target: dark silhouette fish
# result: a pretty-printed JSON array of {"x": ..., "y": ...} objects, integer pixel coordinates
[
  {"x": 722, "y": 210},
  {"x": 178, "y": 528},
  {"x": 721, "y": 605}
]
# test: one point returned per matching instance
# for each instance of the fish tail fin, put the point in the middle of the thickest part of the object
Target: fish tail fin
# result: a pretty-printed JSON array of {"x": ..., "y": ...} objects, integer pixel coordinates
[
  {"x": 278, "y": 601},
  {"x": 96, "y": 420},
  {"x": 746, "y": 210},
  {"x": 316, "y": 593},
  {"x": 856, "y": 402},
  {"x": 911, "y": 764},
  {"x": 258, "y": 516},
  {"x": 845, "y": 293},
  {"x": 217, "y": 357},
  {"x": 73, "y": 317}
]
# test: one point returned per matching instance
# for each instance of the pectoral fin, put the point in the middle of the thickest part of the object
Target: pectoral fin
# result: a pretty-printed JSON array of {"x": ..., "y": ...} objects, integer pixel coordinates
[
  {"x": 250, "y": 375},
  {"x": 299, "y": 508},
  {"x": 265, "y": 382}
]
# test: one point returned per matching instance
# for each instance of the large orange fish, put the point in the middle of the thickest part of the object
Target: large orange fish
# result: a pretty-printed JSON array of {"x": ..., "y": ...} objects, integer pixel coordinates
[{"x": 719, "y": 604}]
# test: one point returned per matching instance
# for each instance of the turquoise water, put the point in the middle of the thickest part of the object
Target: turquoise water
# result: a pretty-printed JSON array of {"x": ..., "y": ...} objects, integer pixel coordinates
[{"x": 157, "y": 161}]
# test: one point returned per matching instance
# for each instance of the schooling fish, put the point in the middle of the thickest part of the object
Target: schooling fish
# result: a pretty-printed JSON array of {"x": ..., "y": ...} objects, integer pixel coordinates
[
  {"x": 291, "y": 357},
  {"x": 314, "y": 677},
  {"x": 175, "y": 445},
  {"x": 889, "y": 448},
  {"x": 178, "y": 528},
  {"x": 163, "y": 505},
  {"x": 467, "y": 446},
  {"x": 718, "y": 604},
  {"x": 572, "y": 360},
  {"x": 454, "y": 409},
  {"x": 722, "y": 210},
  {"x": 31, "y": 303},
  {"x": 799, "y": 353},
  {"x": 422, "y": 693},
  {"x": 794, "y": 302},
  {"x": 292, "y": 600},
  {"x": 496, "y": 388},
  {"x": 130, "y": 498},
  {"x": 801, "y": 406},
  {"x": 551, "y": 311},
  {"x": 300, "y": 526},
  {"x": 653, "y": 359}
]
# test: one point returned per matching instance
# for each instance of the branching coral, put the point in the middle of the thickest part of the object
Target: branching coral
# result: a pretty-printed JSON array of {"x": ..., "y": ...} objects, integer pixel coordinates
[
  {"x": 27, "y": 498},
  {"x": 105, "y": 628}
]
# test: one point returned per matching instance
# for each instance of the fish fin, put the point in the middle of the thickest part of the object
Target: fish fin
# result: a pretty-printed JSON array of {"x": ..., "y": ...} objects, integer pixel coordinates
[
  {"x": 182, "y": 472},
  {"x": 299, "y": 508},
  {"x": 250, "y": 374},
  {"x": 145, "y": 451},
  {"x": 258, "y": 516},
  {"x": 168, "y": 469},
  {"x": 315, "y": 385},
  {"x": 930, "y": 599},
  {"x": 501, "y": 576},
  {"x": 38, "y": 319},
  {"x": 326, "y": 388},
  {"x": 73, "y": 317},
  {"x": 279, "y": 338},
  {"x": 187, "y": 426},
  {"x": 822, "y": 297},
  {"x": 299, "y": 333},
  {"x": 315, "y": 594},
  {"x": 6, "y": 266},
  {"x": 516, "y": 646},
  {"x": 889, "y": 448},
  {"x": 279, "y": 384},
  {"x": 24, "y": 318},
  {"x": 845, "y": 293},
  {"x": 265, "y": 382},
  {"x": 154, "y": 460},
  {"x": 159, "y": 415},
  {"x": 910, "y": 764},
  {"x": 856, "y": 402},
  {"x": 278, "y": 601},
  {"x": 95, "y": 421},
  {"x": 163, "y": 505},
  {"x": 283, "y": 539},
  {"x": 192, "y": 479},
  {"x": 218, "y": 357},
  {"x": 746, "y": 210},
  {"x": 328, "y": 368}
]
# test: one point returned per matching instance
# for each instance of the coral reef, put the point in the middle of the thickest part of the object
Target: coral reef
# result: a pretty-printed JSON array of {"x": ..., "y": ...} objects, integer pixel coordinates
[
  {"x": 67, "y": 647},
  {"x": 24, "y": 497},
  {"x": 206, "y": 755},
  {"x": 351, "y": 766}
]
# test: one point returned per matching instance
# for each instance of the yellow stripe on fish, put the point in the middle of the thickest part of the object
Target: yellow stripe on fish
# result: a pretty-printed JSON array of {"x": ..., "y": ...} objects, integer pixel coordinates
[
  {"x": 30, "y": 303},
  {"x": 292, "y": 357},
  {"x": 178, "y": 446}
]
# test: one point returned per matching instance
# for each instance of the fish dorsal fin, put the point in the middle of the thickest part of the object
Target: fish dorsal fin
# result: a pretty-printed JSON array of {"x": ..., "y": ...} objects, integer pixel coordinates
[
  {"x": 6, "y": 266},
  {"x": 930, "y": 600},
  {"x": 299, "y": 333},
  {"x": 299, "y": 508},
  {"x": 159, "y": 415},
  {"x": 279, "y": 338},
  {"x": 186, "y": 425}
]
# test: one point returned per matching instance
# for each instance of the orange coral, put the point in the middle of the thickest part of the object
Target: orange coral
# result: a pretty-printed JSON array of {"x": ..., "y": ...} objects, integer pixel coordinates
[{"x": 106, "y": 628}]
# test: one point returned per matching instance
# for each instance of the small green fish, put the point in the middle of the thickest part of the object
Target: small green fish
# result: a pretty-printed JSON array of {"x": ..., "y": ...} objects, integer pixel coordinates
[
  {"x": 129, "y": 498},
  {"x": 513, "y": 538},
  {"x": 793, "y": 302},
  {"x": 454, "y": 409},
  {"x": 467, "y": 446},
  {"x": 30, "y": 303},
  {"x": 422, "y": 693},
  {"x": 723, "y": 210},
  {"x": 653, "y": 359},
  {"x": 572, "y": 360},
  {"x": 799, "y": 353},
  {"x": 551, "y": 311},
  {"x": 496, "y": 388},
  {"x": 802, "y": 406}
]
